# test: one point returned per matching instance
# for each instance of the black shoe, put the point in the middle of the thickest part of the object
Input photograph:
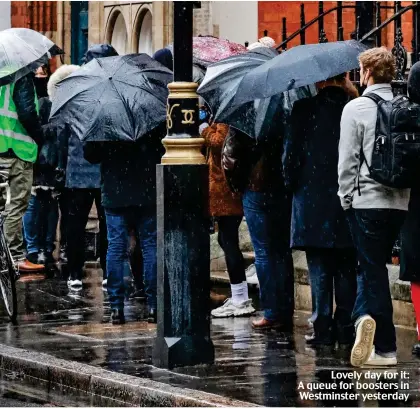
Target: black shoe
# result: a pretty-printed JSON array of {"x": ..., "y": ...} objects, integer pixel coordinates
[
  {"x": 314, "y": 341},
  {"x": 41, "y": 258},
  {"x": 117, "y": 317},
  {"x": 152, "y": 318},
  {"x": 63, "y": 256},
  {"x": 138, "y": 294},
  {"x": 416, "y": 350},
  {"x": 33, "y": 258}
]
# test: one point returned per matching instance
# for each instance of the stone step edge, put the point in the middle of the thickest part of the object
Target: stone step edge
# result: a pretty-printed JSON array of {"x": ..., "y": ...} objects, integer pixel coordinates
[
  {"x": 114, "y": 385},
  {"x": 400, "y": 290}
]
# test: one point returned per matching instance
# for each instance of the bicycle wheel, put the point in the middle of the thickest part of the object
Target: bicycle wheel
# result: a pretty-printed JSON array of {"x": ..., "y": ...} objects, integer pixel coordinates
[{"x": 8, "y": 277}]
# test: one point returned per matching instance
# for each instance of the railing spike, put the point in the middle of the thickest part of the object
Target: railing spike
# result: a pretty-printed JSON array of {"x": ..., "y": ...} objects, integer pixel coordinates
[{"x": 302, "y": 24}]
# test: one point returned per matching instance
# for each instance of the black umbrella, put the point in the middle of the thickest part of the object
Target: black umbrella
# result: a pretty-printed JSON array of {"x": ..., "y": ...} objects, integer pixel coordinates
[
  {"x": 257, "y": 117},
  {"x": 297, "y": 67},
  {"x": 114, "y": 99},
  {"x": 22, "y": 51}
]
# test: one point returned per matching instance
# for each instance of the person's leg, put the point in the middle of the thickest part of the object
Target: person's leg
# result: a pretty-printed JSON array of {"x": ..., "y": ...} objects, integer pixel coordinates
[
  {"x": 268, "y": 222},
  {"x": 117, "y": 256},
  {"x": 136, "y": 262},
  {"x": 63, "y": 200},
  {"x": 80, "y": 203},
  {"x": 374, "y": 232},
  {"x": 147, "y": 231},
  {"x": 51, "y": 224},
  {"x": 321, "y": 280},
  {"x": 415, "y": 297},
  {"x": 20, "y": 181},
  {"x": 228, "y": 236},
  {"x": 103, "y": 240},
  {"x": 344, "y": 266},
  {"x": 31, "y": 229}
]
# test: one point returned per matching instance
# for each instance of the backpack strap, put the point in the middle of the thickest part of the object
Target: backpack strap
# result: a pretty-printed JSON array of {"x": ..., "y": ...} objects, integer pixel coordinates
[{"x": 375, "y": 98}]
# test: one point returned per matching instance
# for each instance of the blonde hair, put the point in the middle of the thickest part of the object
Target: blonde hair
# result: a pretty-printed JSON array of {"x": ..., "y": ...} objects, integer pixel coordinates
[
  {"x": 60, "y": 73},
  {"x": 381, "y": 64}
]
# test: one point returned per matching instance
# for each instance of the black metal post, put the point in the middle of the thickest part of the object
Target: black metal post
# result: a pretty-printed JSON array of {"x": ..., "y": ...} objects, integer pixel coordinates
[
  {"x": 340, "y": 21},
  {"x": 378, "y": 19},
  {"x": 365, "y": 16},
  {"x": 302, "y": 24},
  {"x": 415, "y": 56},
  {"x": 321, "y": 32},
  {"x": 284, "y": 32},
  {"x": 183, "y": 328}
]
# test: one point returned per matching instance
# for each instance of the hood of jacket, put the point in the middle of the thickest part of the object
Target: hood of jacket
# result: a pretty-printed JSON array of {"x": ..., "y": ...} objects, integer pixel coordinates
[
  {"x": 99, "y": 51},
  {"x": 413, "y": 85},
  {"x": 60, "y": 73}
]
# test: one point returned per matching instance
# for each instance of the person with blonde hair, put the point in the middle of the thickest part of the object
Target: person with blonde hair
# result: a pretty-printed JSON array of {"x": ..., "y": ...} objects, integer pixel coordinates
[{"x": 375, "y": 213}]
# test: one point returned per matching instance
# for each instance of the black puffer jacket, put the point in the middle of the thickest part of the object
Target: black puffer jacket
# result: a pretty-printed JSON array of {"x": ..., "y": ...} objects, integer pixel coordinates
[{"x": 24, "y": 98}]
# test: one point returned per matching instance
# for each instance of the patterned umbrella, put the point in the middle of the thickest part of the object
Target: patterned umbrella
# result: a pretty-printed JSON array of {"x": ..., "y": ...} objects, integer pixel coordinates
[{"x": 208, "y": 49}]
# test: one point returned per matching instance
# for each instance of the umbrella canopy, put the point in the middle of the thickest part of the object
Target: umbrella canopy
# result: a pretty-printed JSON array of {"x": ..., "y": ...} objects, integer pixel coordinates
[
  {"x": 22, "y": 51},
  {"x": 257, "y": 117},
  {"x": 208, "y": 49},
  {"x": 297, "y": 67},
  {"x": 114, "y": 99}
]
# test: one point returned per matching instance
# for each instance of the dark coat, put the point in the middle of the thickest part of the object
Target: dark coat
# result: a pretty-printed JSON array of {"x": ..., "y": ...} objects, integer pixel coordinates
[
  {"x": 410, "y": 233},
  {"x": 310, "y": 168},
  {"x": 79, "y": 173},
  {"x": 128, "y": 169},
  {"x": 410, "y": 240},
  {"x": 44, "y": 167}
]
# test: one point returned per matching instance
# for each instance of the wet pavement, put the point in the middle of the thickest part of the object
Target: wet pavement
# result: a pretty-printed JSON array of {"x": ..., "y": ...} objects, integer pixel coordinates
[{"x": 270, "y": 369}]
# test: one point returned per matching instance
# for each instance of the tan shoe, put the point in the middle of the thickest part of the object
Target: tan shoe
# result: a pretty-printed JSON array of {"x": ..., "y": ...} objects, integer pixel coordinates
[
  {"x": 26, "y": 265},
  {"x": 216, "y": 300},
  {"x": 264, "y": 324}
]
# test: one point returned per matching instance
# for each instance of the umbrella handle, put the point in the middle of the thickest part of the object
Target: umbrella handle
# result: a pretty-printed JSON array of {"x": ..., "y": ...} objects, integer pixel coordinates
[{"x": 290, "y": 85}]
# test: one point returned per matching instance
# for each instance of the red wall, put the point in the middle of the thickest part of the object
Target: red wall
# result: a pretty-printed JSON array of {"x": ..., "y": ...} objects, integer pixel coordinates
[{"x": 270, "y": 14}]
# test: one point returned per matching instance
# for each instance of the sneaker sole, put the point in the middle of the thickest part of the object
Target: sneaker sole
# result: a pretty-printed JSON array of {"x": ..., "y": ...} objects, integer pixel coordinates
[
  {"x": 225, "y": 315},
  {"x": 381, "y": 365},
  {"x": 245, "y": 313},
  {"x": 363, "y": 345}
]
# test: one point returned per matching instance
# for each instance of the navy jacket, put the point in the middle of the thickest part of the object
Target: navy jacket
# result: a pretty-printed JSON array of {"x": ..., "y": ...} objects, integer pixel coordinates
[
  {"x": 310, "y": 169},
  {"x": 128, "y": 169}
]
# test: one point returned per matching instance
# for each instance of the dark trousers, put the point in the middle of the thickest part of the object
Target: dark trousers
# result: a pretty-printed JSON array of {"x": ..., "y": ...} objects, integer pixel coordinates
[
  {"x": 80, "y": 202},
  {"x": 228, "y": 238},
  {"x": 374, "y": 233},
  {"x": 268, "y": 218},
  {"x": 332, "y": 270},
  {"x": 64, "y": 215}
]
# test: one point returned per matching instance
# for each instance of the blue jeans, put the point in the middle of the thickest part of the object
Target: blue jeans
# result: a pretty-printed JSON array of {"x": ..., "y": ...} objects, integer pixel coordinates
[
  {"x": 143, "y": 220},
  {"x": 40, "y": 222},
  {"x": 374, "y": 233},
  {"x": 268, "y": 218},
  {"x": 332, "y": 270}
]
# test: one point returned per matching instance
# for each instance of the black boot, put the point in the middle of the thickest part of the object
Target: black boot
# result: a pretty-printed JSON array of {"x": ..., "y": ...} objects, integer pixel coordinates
[
  {"x": 152, "y": 318},
  {"x": 416, "y": 350},
  {"x": 117, "y": 317}
]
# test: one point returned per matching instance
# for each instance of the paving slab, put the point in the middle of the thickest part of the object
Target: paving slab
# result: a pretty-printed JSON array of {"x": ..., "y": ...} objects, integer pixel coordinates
[{"x": 65, "y": 337}]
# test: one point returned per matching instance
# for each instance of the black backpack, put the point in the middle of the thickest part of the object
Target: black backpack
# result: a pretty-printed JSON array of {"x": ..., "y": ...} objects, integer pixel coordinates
[{"x": 396, "y": 151}]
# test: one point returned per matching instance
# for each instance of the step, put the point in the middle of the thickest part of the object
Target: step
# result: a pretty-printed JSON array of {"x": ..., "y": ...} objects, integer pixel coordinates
[{"x": 400, "y": 290}]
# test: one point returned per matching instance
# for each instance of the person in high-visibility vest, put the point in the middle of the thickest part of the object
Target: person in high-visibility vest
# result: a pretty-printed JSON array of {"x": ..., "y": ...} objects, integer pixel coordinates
[{"x": 20, "y": 136}]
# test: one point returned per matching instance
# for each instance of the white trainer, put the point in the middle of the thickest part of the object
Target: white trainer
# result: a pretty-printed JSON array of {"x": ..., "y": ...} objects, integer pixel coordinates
[
  {"x": 379, "y": 360},
  {"x": 251, "y": 275},
  {"x": 365, "y": 334},
  {"x": 229, "y": 309},
  {"x": 74, "y": 283}
]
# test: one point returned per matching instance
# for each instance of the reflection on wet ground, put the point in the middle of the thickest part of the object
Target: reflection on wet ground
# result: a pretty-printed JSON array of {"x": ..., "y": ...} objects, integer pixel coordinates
[{"x": 262, "y": 368}]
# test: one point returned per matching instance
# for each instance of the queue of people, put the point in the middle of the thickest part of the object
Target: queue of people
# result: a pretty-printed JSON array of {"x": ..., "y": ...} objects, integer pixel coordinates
[{"x": 308, "y": 186}]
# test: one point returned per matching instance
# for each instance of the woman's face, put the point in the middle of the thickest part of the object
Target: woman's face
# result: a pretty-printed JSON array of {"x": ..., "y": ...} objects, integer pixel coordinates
[{"x": 40, "y": 72}]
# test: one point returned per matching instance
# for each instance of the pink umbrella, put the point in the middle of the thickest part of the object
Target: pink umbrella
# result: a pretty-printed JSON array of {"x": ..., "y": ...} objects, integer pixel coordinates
[{"x": 208, "y": 49}]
